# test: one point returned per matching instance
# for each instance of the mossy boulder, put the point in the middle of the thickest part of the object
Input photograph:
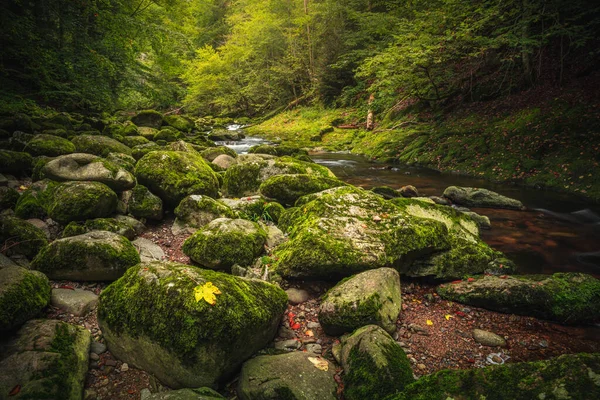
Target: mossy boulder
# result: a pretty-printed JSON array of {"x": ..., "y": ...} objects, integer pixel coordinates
[
  {"x": 93, "y": 256},
  {"x": 195, "y": 211},
  {"x": 8, "y": 197},
  {"x": 182, "y": 145},
  {"x": 369, "y": 298},
  {"x": 18, "y": 236},
  {"x": 224, "y": 242},
  {"x": 245, "y": 179},
  {"x": 173, "y": 175},
  {"x": 49, "y": 145},
  {"x": 569, "y": 298},
  {"x": 168, "y": 134},
  {"x": 18, "y": 122},
  {"x": 386, "y": 192},
  {"x": 279, "y": 151},
  {"x": 151, "y": 319},
  {"x": 144, "y": 204},
  {"x": 141, "y": 150},
  {"x": 15, "y": 161},
  {"x": 254, "y": 208},
  {"x": 286, "y": 189},
  {"x": 148, "y": 118},
  {"x": 342, "y": 231},
  {"x": 124, "y": 161},
  {"x": 289, "y": 376},
  {"x": 570, "y": 376},
  {"x": 23, "y": 294},
  {"x": 99, "y": 145},
  {"x": 35, "y": 201},
  {"x": 79, "y": 201},
  {"x": 477, "y": 197},
  {"x": 88, "y": 167},
  {"x": 100, "y": 224},
  {"x": 213, "y": 152},
  {"x": 179, "y": 122},
  {"x": 147, "y": 132},
  {"x": 375, "y": 366},
  {"x": 46, "y": 359},
  {"x": 129, "y": 129},
  {"x": 132, "y": 141}
]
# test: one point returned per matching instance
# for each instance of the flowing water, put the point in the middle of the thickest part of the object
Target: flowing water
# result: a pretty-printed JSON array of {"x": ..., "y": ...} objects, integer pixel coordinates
[{"x": 557, "y": 233}]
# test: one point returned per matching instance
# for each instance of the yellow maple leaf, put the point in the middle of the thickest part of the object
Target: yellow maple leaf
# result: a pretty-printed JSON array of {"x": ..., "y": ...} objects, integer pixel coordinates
[
  {"x": 319, "y": 363},
  {"x": 448, "y": 316},
  {"x": 207, "y": 292},
  {"x": 429, "y": 322}
]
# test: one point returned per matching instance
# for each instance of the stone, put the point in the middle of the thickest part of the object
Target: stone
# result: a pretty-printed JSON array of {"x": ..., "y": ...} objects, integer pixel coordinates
[
  {"x": 569, "y": 298},
  {"x": 297, "y": 296},
  {"x": 8, "y": 197},
  {"x": 375, "y": 366},
  {"x": 74, "y": 301},
  {"x": 477, "y": 197},
  {"x": 79, "y": 201},
  {"x": 114, "y": 225},
  {"x": 212, "y": 153},
  {"x": 275, "y": 236},
  {"x": 88, "y": 167},
  {"x": 314, "y": 348},
  {"x": 371, "y": 297},
  {"x": 286, "y": 189},
  {"x": 144, "y": 204},
  {"x": 35, "y": 201},
  {"x": 49, "y": 145},
  {"x": 288, "y": 345},
  {"x": 150, "y": 319},
  {"x": 15, "y": 161},
  {"x": 20, "y": 237},
  {"x": 408, "y": 191},
  {"x": 179, "y": 122},
  {"x": 124, "y": 367},
  {"x": 99, "y": 145},
  {"x": 195, "y": 211},
  {"x": 148, "y": 118},
  {"x": 23, "y": 294},
  {"x": 279, "y": 150},
  {"x": 149, "y": 251},
  {"x": 93, "y": 256},
  {"x": 224, "y": 161},
  {"x": 289, "y": 376},
  {"x": 386, "y": 192},
  {"x": 488, "y": 338},
  {"x": 186, "y": 394},
  {"x": 97, "y": 347},
  {"x": 224, "y": 242},
  {"x": 48, "y": 359},
  {"x": 482, "y": 221}
]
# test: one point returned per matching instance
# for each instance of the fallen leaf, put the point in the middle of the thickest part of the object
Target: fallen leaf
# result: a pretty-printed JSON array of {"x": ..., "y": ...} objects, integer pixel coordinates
[
  {"x": 207, "y": 292},
  {"x": 455, "y": 282},
  {"x": 309, "y": 333},
  {"x": 15, "y": 391},
  {"x": 429, "y": 322},
  {"x": 471, "y": 280},
  {"x": 448, "y": 316},
  {"x": 319, "y": 363},
  {"x": 460, "y": 314}
]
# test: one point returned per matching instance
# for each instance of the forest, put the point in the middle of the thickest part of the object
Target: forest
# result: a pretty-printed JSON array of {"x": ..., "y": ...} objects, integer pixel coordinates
[{"x": 299, "y": 199}]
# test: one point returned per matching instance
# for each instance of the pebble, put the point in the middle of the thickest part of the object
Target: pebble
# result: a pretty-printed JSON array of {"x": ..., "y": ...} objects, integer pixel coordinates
[
  {"x": 314, "y": 348},
  {"x": 297, "y": 296},
  {"x": 288, "y": 345},
  {"x": 124, "y": 367},
  {"x": 421, "y": 366},
  {"x": 94, "y": 357},
  {"x": 313, "y": 325},
  {"x": 488, "y": 338},
  {"x": 104, "y": 382},
  {"x": 110, "y": 363},
  {"x": 97, "y": 347},
  {"x": 145, "y": 393},
  {"x": 89, "y": 394},
  {"x": 94, "y": 365}
]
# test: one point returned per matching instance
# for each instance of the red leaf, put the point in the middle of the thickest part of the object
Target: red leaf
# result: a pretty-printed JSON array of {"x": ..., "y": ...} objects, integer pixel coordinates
[
  {"x": 15, "y": 391},
  {"x": 471, "y": 360},
  {"x": 295, "y": 326},
  {"x": 455, "y": 282},
  {"x": 471, "y": 280},
  {"x": 460, "y": 314}
]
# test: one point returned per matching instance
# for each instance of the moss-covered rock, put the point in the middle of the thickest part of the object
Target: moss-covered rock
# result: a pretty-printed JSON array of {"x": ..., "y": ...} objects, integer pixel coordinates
[
  {"x": 245, "y": 179},
  {"x": 15, "y": 161},
  {"x": 49, "y": 145},
  {"x": 386, "y": 192},
  {"x": 182, "y": 145},
  {"x": 168, "y": 134},
  {"x": 148, "y": 118},
  {"x": 195, "y": 211},
  {"x": 124, "y": 161},
  {"x": 179, "y": 122},
  {"x": 141, "y": 150},
  {"x": 254, "y": 208},
  {"x": 144, "y": 204},
  {"x": 213, "y": 152},
  {"x": 569, "y": 298},
  {"x": 46, "y": 359},
  {"x": 173, "y": 175},
  {"x": 100, "y": 224},
  {"x": 8, "y": 197},
  {"x": 571, "y": 376},
  {"x": 132, "y": 141},
  {"x": 279, "y": 151},
  {"x": 99, "y": 145},
  {"x": 369, "y": 298},
  {"x": 23, "y": 294},
  {"x": 477, "y": 197},
  {"x": 18, "y": 236},
  {"x": 35, "y": 201},
  {"x": 286, "y": 189},
  {"x": 129, "y": 129},
  {"x": 375, "y": 366},
  {"x": 150, "y": 318},
  {"x": 147, "y": 132},
  {"x": 78, "y": 201},
  {"x": 88, "y": 167},
  {"x": 18, "y": 122},
  {"x": 93, "y": 256},
  {"x": 277, "y": 377},
  {"x": 224, "y": 242}
]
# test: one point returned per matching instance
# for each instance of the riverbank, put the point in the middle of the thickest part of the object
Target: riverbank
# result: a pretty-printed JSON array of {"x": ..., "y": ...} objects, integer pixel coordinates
[{"x": 545, "y": 139}]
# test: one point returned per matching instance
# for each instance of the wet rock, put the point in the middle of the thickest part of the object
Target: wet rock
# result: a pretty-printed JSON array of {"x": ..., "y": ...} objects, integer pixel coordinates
[
  {"x": 477, "y": 197},
  {"x": 74, "y": 301},
  {"x": 488, "y": 338}
]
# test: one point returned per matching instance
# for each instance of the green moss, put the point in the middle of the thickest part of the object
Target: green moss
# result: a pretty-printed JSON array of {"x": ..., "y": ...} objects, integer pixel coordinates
[
  {"x": 49, "y": 145},
  {"x": 198, "y": 210},
  {"x": 287, "y": 189},
  {"x": 272, "y": 211},
  {"x": 25, "y": 299},
  {"x": 175, "y": 320},
  {"x": 36, "y": 200},
  {"x": 8, "y": 197},
  {"x": 349, "y": 316},
  {"x": 386, "y": 192},
  {"x": 78, "y": 201},
  {"x": 213, "y": 152},
  {"x": 98, "y": 224},
  {"x": 99, "y": 145},
  {"x": 38, "y": 164},
  {"x": 141, "y": 150},
  {"x": 128, "y": 130},
  {"x": 15, "y": 161},
  {"x": 179, "y": 122},
  {"x": 18, "y": 236},
  {"x": 143, "y": 204},
  {"x": 168, "y": 134},
  {"x": 132, "y": 141},
  {"x": 148, "y": 118},
  {"x": 243, "y": 179},
  {"x": 281, "y": 150}
]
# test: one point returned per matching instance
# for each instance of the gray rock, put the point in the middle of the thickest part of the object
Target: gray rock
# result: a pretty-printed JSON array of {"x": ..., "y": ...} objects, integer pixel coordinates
[
  {"x": 291, "y": 375},
  {"x": 483, "y": 221},
  {"x": 97, "y": 347},
  {"x": 23, "y": 294},
  {"x": 477, "y": 197},
  {"x": 224, "y": 161},
  {"x": 149, "y": 251},
  {"x": 77, "y": 302},
  {"x": 297, "y": 296},
  {"x": 274, "y": 236},
  {"x": 288, "y": 345},
  {"x": 195, "y": 211},
  {"x": 408, "y": 191},
  {"x": 314, "y": 348},
  {"x": 488, "y": 338}
]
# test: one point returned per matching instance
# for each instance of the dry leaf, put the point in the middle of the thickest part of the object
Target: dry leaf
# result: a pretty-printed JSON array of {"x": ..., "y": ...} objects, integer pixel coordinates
[
  {"x": 207, "y": 292},
  {"x": 319, "y": 362},
  {"x": 429, "y": 322},
  {"x": 309, "y": 333},
  {"x": 448, "y": 316}
]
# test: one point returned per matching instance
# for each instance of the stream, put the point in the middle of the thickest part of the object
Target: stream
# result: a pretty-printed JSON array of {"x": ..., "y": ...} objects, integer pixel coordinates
[{"x": 557, "y": 233}]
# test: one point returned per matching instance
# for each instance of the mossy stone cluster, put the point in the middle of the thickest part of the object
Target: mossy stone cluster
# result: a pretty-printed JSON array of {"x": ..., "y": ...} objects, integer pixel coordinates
[
  {"x": 15, "y": 161},
  {"x": 569, "y": 298},
  {"x": 93, "y": 256},
  {"x": 224, "y": 242},
  {"x": 23, "y": 294},
  {"x": 173, "y": 175},
  {"x": 18, "y": 236},
  {"x": 79, "y": 201},
  {"x": 151, "y": 318},
  {"x": 49, "y": 145},
  {"x": 99, "y": 145},
  {"x": 286, "y": 189},
  {"x": 144, "y": 204},
  {"x": 99, "y": 224}
]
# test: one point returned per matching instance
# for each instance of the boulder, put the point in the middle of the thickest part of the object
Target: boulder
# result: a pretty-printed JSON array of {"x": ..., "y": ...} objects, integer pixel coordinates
[
  {"x": 571, "y": 376},
  {"x": 99, "y": 145},
  {"x": 100, "y": 224},
  {"x": 569, "y": 298},
  {"x": 224, "y": 161},
  {"x": 290, "y": 376},
  {"x": 147, "y": 132},
  {"x": 483, "y": 222},
  {"x": 168, "y": 134},
  {"x": 213, "y": 152},
  {"x": 375, "y": 366},
  {"x": 477, "y": 197},
  {"x": 286, "y": 189},
  {"x": 124, "y": 161},
  {"x": 18, "y": 236},
  {"x": 74, "y": 301},
  {"x": 386, "y": 192},
  {"x": 79, "y": 201},
  {"x": 35, "y": 201},
  {"x": 94, "y": 256},
  {"x": 132, "y": 141},
  {"x": 149, "y": 251},
  {"x": 195, "y": 211},
  {"x": 88, "y": 167},
  {"x": 8, "y": 197},
  {"x": 49, "y": 145},
  {"x": 224, "y": 242},
  {"x": 179, "y": 122},
  {"x": 23, "y": 294},
  {"x": 148, "y": 118},
  {"x": 245, "y": 179},
  {"x": 15, "y": 161},
  {"x": 369, "y": 298},
  {"x": 173, "y": 175},
  {"x": 144, "y": 204},
  {"x": 46, "y": 359},
  {"x": 158, "y": 318}
]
